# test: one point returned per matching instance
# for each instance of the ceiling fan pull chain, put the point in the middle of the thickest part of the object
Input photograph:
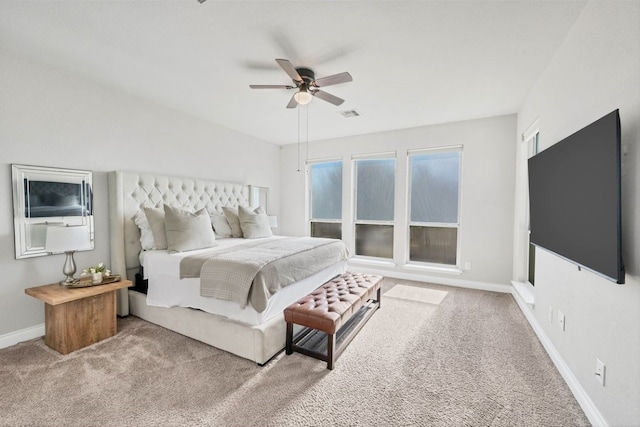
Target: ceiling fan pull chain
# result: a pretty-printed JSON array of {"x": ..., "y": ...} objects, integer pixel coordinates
[
  {"x": 298, "y": 140},
  {"x": 307, "y": 145}
]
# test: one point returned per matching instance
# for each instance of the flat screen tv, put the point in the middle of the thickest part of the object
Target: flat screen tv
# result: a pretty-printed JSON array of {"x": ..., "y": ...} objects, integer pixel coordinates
[{"x": 575, "y": 198}]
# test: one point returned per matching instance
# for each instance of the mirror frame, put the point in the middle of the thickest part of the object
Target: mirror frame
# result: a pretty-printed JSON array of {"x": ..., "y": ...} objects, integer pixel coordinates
[{"x": 30, "y": 228}]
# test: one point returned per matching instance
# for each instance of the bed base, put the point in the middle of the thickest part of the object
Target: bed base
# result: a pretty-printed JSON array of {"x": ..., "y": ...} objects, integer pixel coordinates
[
  {"x": 131, "y": 191},
  {"x": 259, "y": 343}
]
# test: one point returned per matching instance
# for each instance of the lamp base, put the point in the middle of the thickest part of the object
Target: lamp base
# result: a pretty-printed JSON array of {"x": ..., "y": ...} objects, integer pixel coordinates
[{"x": 69, "y": 269}]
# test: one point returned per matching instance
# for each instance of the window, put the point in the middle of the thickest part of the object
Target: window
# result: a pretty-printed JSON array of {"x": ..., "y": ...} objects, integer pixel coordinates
[
  {"x": 434, "y": 194},
  {"x": 325, "y": 184},
  {"x": 374, "y": 206},
  {"x": 533, "y": 145}
]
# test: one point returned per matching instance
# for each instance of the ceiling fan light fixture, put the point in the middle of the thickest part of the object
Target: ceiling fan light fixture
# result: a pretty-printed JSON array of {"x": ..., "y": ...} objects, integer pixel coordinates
[
  {"x": 303, "y": 97},
  {"x": 305, "y": 81}
]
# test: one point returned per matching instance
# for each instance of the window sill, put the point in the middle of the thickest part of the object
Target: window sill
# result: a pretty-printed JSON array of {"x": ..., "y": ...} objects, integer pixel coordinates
[
  {"x": 433, "y": 269},
  {"x": 415, "y": 267},
  {"x": 371, "y": 261},
  {"x": 525, "y": 292}
]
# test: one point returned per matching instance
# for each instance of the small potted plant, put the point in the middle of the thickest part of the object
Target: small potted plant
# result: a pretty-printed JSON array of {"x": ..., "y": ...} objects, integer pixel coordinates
[{"x": 97, "y": 273}]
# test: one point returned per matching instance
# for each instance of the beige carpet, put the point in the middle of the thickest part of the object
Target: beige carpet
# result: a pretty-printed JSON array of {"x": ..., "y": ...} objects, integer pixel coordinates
[
  {"x": 414, "y": 293},
  {"x": 467, "y": 358}
]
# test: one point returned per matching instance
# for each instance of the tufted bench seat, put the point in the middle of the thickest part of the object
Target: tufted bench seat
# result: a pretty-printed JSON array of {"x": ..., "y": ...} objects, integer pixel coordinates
[{"x": 339, "y": 309}]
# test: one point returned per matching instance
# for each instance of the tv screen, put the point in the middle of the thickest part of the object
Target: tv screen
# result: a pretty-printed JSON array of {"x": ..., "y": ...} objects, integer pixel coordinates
[{"x": 575, "y": 198}]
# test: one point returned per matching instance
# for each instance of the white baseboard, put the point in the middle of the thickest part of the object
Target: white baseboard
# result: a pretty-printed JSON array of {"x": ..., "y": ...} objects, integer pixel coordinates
[
  {"x": 13, "y": 338},
  {"x": 585, "y": 402}
]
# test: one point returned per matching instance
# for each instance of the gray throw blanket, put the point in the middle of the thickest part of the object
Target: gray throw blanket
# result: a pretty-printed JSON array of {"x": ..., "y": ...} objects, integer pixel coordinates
[{"x": 254, "y": 271}]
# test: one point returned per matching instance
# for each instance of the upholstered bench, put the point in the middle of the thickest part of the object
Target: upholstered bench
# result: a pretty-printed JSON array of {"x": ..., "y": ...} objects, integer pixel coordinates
[{"x": 332, "y": 315}]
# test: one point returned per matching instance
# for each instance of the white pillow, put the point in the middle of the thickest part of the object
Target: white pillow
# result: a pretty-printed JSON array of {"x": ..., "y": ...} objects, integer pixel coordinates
[
  {"x": 234, "y": 221},
  {"x": 146, "y": 236},
  {"x": 155, "y": 216},
  {"x": 221, "y": 226},
  {"x": 187, "y": 231},
  {"x": 254, "y": 223}
]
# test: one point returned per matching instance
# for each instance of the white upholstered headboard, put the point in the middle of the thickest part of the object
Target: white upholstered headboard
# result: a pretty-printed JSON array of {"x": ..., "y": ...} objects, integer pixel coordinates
[{"x": 130, "y": 191}]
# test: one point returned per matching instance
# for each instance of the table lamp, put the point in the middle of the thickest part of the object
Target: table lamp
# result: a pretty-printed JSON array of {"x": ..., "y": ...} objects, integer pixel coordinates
[{"x": 67, "y": 239}]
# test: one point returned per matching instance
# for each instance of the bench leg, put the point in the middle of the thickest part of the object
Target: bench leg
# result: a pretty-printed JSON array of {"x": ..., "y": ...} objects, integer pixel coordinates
[
  {"x": 289, "y": 349},
  {"x": 331, "y": 345}
]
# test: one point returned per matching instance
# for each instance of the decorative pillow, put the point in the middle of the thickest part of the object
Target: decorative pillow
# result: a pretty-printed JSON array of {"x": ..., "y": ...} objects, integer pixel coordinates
[
  {"x": 146, "y": 236},
  {"x": 155, "y": 217},
  {"x": 221, "y": 226},
  {"x": 254, "y": 223},
  {"x": 187, "y": 231},
  {"x": 234, "y": 221}
]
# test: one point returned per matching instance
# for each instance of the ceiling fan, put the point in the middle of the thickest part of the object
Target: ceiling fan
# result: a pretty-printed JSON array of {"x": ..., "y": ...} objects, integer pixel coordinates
[{"x": 307, "y": 85}]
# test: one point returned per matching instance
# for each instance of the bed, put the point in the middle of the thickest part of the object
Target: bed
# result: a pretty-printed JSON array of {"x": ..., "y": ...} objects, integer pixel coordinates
[{"x": 252, "y": 331}]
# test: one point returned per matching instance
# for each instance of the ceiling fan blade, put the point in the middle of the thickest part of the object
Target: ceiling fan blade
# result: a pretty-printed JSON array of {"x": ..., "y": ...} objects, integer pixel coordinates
[
  {"x": 333, "y": 80},
  {"x": 272, "y": 87},
  {"x": 327, "y": 97},
  {"x": 289, "y": 69},
  {"x": 292, "y": 102}
]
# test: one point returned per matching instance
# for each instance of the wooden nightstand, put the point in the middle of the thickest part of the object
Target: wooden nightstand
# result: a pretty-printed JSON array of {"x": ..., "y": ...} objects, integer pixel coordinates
[{"x": 77, "y": 317}]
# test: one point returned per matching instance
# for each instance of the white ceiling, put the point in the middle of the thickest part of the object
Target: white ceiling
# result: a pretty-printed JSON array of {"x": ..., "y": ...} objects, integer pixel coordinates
[{"x": 413, "y": 63}]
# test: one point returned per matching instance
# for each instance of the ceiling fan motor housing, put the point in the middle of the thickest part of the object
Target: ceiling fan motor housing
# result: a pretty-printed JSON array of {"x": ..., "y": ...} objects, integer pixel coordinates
[{"x": 307, "y": 74}]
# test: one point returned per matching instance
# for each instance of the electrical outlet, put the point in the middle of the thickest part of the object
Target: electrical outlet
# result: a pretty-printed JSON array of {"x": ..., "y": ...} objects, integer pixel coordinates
[
  {"x": 467, "y": 265},
  {"x": 550, "y": 314},
  {"x": 600, "y": 370},
  {"x": 561, "y": 320}
]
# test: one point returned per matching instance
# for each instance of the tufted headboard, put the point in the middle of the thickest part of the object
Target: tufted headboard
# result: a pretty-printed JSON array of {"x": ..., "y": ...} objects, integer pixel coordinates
[{"x": 129, "y": 192}]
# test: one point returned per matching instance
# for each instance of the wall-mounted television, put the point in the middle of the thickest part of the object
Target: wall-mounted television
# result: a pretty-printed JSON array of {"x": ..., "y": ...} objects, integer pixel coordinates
[{"x": 575, "y": 198}]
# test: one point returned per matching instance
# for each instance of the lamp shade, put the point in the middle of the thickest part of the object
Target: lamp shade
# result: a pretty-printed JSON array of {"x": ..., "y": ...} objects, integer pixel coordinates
[
  {"x": 273, "y": 221},
  {"x": 66, "y": 239},
  {"x": 302, "y": 97}
]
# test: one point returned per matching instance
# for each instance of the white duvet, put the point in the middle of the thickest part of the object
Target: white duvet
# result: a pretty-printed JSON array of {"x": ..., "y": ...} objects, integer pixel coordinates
[{"x": 166, "y": 289}]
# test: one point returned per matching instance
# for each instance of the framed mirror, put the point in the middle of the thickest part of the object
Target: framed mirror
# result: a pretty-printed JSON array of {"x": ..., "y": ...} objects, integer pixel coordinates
[{"x": 44, "y": 196}]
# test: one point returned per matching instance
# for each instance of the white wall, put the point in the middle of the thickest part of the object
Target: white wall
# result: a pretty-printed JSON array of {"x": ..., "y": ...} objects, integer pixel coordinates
[
  {"x": 596, "y": 70},
  {"x": 487, "y": 191},
  {"x": 50, "y": 118}
]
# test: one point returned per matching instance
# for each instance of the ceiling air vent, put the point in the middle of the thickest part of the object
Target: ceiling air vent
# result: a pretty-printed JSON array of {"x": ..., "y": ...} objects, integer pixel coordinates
[{"x": 350, "y": 113}]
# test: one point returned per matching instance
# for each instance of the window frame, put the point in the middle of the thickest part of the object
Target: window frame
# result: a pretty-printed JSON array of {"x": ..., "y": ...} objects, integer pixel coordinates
[
  {"x": 309, "y": 204},
  {"x": 457, "y": 225},
  {"x": 532, "y": 138},
  {"x": 388, "y": 155}
]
